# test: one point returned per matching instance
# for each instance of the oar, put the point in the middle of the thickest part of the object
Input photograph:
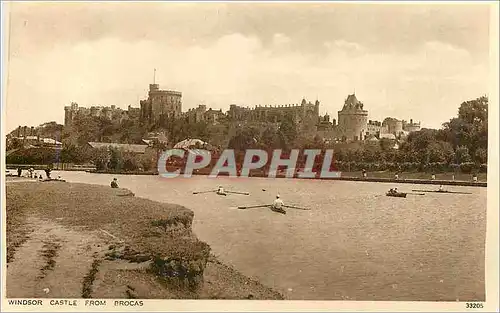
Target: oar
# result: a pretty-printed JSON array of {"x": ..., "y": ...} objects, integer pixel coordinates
[
  {"x": 253, "y": 206},
  {"x": 417, "y": 194},
  {"x": 295, "y": 207},
  {"x": 445, "y": 191},
  {"x": 238, "y": 192},
  {"x": 197, "y": 192}
]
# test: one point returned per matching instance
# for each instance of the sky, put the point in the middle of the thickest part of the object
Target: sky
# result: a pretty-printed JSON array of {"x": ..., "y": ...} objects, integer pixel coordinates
[{"x": 408, "y": 61}]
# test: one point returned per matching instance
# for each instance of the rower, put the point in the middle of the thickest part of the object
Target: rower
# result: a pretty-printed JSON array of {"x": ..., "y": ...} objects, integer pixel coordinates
[
  {"x": 220, "y": 191},
  {"x": 441, "y": 188},
  {"x": 396, "y": 190},
  {"x": 114, "y": 183},
  {"x": 278, "y": 203}
]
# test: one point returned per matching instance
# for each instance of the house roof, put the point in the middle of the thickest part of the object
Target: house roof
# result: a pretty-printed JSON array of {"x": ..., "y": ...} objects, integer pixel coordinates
[
  {"x": 126, "y": 147},
  {"x": 388, "y": 136},
  {"x": 187, "y": 143},
  {"x": 352, "y": 103},
  {"x": 50, "y": 141}
]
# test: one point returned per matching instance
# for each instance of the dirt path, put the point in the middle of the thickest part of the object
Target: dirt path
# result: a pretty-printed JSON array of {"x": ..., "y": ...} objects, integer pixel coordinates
[
  {"x": 56, "y": 261},
  {"x": 51, "y": 252},
  {"x": 65, "y": 241}
]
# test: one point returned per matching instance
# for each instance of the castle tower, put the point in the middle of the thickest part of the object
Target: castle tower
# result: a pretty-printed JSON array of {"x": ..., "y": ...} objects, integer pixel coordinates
[
  {"x": 166, "y": 103},
  {"x": 353, "y": 119}
]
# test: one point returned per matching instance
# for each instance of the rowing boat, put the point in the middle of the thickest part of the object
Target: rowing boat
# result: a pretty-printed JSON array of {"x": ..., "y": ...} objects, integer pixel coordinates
[
  {"x": 278, "y": 210},
  {"x": 444, "y": 191},
  {"x": 399, "y": 194}
]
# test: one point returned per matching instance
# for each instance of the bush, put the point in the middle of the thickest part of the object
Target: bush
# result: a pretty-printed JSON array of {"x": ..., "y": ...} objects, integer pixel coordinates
[
  {"x": 483, "y": 168},
  {"x": 467, "y": 167}
]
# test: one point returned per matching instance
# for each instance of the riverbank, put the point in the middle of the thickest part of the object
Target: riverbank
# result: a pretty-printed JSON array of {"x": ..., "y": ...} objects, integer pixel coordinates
[{"x": 79, "y": 240}]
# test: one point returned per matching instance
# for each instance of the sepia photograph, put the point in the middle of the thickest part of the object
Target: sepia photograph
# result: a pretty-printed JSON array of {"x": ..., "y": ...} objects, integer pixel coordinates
[{"x": 333, "y": 152}]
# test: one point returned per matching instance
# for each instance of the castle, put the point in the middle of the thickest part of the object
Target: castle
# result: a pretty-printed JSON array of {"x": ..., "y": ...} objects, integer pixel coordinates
[
  {"x": 353, "y": 120},
  {"x": 167, "y": 103},
  {"x": 107, "y": 112},
  {"x": 305, "y": 114},
  {"x": 353, "y": 123}
]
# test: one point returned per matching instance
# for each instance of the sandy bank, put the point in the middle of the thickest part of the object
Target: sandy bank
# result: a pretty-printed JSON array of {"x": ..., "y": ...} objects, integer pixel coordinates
[{"x": 76, "y": 240}]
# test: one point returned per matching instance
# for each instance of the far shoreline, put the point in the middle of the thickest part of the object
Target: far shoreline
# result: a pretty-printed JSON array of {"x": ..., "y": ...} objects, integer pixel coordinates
[{"x": 401, "y": 180}]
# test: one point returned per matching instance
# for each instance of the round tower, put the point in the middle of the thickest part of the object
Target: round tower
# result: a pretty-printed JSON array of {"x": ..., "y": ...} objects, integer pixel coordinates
[{"x": 353, "y": 120}]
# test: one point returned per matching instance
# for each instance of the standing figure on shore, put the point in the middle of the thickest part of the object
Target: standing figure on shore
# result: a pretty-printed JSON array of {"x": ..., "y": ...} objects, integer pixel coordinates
[
  {"x": 30, "y": 171},
  {"x": 364, "y": 173},
  {"x": 433, "y": 177},
  {"x": 396, "y": 175},
  {"x": 19, "y": 172},
  {"x": 441, "y": 188},
  {"x": 47, "y": 172},
  {"x": 474, "y": 178},
  {"x": 114, "y": 183}
]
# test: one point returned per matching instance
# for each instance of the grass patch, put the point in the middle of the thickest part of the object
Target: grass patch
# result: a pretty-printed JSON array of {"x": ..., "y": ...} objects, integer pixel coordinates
[
  {"x": 49, "y": 253},
  {"x": 88, "y": 280}
]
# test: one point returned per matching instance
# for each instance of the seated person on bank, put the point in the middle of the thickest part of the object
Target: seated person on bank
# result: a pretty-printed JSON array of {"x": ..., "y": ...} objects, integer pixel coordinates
[{"x": 114, "y": 183}]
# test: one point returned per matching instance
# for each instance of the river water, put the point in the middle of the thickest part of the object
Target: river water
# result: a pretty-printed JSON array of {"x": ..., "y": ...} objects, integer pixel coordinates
[{"x": 354, "y": 243}]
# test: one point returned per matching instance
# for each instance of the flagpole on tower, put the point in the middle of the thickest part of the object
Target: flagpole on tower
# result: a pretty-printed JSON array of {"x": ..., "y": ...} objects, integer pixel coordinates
[{"x": 154, "y": 76}]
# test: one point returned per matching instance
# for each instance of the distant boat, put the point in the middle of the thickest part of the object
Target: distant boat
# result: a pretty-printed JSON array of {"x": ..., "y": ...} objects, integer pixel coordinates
[
  {"x": 399, "y": 194},
  {"x": 444, "y": 191}
]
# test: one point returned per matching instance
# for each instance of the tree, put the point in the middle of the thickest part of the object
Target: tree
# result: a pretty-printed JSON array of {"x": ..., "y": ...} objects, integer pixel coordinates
[
  {"x": 288, "y": 129},
  {"x": 470, "y": 128},
  {"x": 481, "y": 156},
  {"x": 385, "y": 144},
  {"x": 245, "y": 138},
  {"x": 462, "y": 155},
  {"x": 115, "y": 159},
  {"x": 100, "y": 158},
  {"x": 130, "y": 162}
]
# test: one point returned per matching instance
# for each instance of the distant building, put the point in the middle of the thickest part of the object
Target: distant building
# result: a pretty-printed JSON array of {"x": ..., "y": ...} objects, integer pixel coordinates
[
  {"x": 107, "y": 112},
  {"x": 325, "y": 124},
  {"x": 137, "y": 149},
  {"x": 411, "y": 126},
  {"x": 160, "y": 103},
  {"x": 373, "y": 128},
  {"x": 353, "y": 120},
  {"x": 29, "y": 136},
  {"x": 197, "y": 114},
  {"x": 201, "y": 114},
  {"x": 392, "y": 126},
  {"x": 305, "y": 114}
]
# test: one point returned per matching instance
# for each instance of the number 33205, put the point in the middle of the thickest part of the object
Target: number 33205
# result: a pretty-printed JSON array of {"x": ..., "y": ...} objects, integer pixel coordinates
[{"x": 474, "y": 305}]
